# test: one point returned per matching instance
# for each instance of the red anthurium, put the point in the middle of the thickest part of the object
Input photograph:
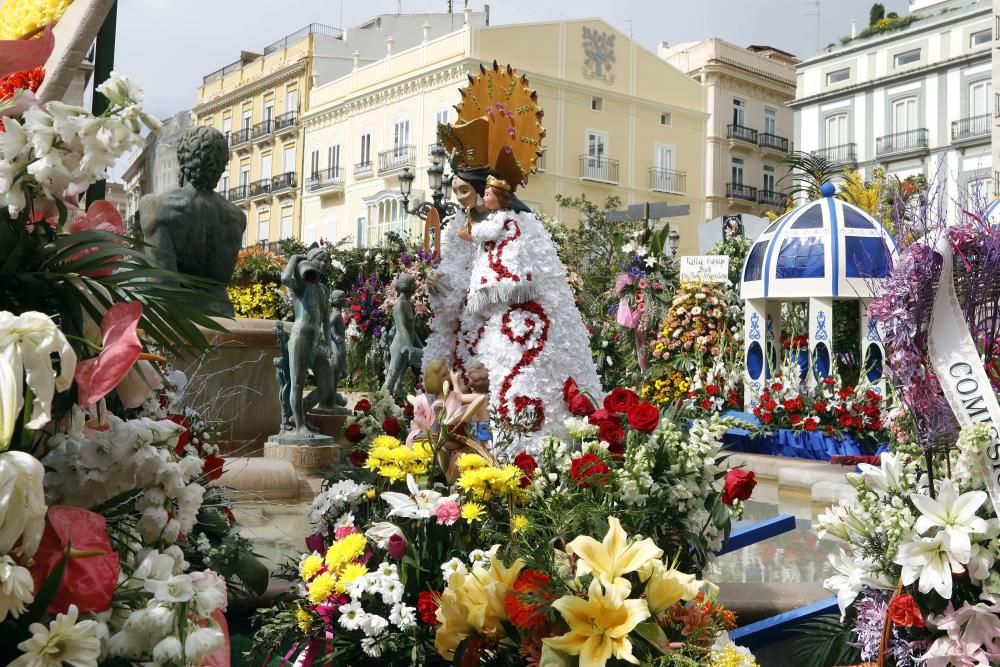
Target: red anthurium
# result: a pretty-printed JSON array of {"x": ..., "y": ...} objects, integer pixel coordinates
[
  {"x": 97, "y": 377},
  {"x": 92, "y": 567}
]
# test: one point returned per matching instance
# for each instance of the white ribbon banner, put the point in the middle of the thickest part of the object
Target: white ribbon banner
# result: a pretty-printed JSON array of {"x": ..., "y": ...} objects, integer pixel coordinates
[{"x": 962, "y": 376}]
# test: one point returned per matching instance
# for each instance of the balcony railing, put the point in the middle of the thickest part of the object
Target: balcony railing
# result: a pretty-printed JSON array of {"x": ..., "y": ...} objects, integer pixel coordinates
[
  {"x": 326, "y": 178},
  {"x": 238, "y": 193},
  {"x": 260, "y": 188},
  {"x": 240, "y": 137},
  {"x": 901, "y": 142},
  {"x": 842, "y": 154},
  {"x": 741, "y": 133},
  {"x": 363, "y": 169},
  {"x": 667, "y": 180},
  {"x": 773, "y": 141},
  {"x": 969, "y": 128},
  {"x": 272, "y": 246},
  {"x": 594, "y": 168},
  {"x": 286, "y": 121},
  {"x": 770, "y": 198},
  {"x": 431, "y": 147},
  {"x": 283, "y": 181},
  {"x": 262, "y": 129},
  {"x": 396, "y": 158},
  {"x": 740, "y": 191}
]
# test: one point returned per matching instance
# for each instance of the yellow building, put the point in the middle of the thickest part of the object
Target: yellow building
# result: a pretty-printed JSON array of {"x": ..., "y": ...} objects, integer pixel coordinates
[
  {"x": 619, "y": 119},
  {"x": 257, "y": 102}
]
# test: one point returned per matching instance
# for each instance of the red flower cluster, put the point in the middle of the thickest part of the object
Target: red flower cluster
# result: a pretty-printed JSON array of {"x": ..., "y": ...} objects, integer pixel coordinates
[
  {"x": 829, "y": 407},
  {"x": 212, "y": 468},
  {"x": 521, "y": 610}
]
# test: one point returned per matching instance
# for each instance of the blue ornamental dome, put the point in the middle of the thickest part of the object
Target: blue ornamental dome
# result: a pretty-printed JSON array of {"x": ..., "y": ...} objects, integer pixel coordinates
[{"x": 823, "y": 248}]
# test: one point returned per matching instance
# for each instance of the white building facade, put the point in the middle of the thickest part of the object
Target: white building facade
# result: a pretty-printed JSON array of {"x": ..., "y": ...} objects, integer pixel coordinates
[{"x": 917, "y": 100}]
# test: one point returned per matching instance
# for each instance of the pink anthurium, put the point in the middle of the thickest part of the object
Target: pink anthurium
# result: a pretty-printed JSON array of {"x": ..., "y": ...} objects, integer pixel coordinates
[
  {"x": 21, "y": 54},
  {"x": 98, "y": 376}
]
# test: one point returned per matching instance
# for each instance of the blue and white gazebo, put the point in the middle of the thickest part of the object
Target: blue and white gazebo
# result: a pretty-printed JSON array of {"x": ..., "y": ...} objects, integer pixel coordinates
[{"x": 820, "y": 252}]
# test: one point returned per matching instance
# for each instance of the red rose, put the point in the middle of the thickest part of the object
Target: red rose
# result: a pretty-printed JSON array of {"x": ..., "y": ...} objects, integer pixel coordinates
[
  {"x": 212, "y": 468},
  {"x": 521, "y": 603},
  {"x": 364, "y": 405},
  {"x": 611, "y": 433},
  {"x": 354, "y": 434},
  {"x": 790, "y": 405},
  {"x": 427, "y": 606},
  {"x": 581, "y": 406},
  {"x": 92, "y": 568},
  {"x": 739, "y": 485},
  {"x": 905, "y": 613},
  {"x": 620, "y": 400},
  {"x": 819, "y": 406},
  {"x": 358, "y": 457},
  {"x": 706, "y": 404},
  {"x": 601, "y": 416},
  {"x": 184, "y": 438},
  {"x": 408, "y": 410},
  {"x": 528, "y": 465},
  {"x": 617, "y": 450},
  {"x": 644, "y": 417},
  {"x": 587, "y": 466},
  {"x": 570, "y": 389},
  {"x": 391, "y": 426},
  {"x": 795, "y": 420}
]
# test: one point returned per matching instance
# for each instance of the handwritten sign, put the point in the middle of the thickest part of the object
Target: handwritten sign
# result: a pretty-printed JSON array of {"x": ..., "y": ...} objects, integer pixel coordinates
[{"x": 710, "y": 268}]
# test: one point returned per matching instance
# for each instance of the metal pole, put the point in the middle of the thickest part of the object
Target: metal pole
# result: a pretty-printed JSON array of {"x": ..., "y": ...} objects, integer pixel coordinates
[{"x": 104, "y": 62}]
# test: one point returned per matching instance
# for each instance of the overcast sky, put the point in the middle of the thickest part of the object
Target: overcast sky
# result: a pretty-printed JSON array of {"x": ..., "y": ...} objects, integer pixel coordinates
[{"x": 169, "y": 45}]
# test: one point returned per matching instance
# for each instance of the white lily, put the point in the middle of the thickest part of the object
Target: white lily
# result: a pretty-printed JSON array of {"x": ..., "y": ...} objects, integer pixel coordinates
[
  {"x": 380, "y": 533},
  {"x": 22, "y": 498},
  {"x": 419, "y": 504},
  {"x": 883, "y": 478},
  {"x": 954, "y": 513},
  {"x": 932, "y": 560},
  {"x": 27, "y": 342},
  {"x": 848, "y": 584}
]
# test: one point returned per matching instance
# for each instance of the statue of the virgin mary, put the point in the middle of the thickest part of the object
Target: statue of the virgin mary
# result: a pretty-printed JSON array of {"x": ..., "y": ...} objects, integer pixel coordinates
[{"x": 502, "y": 299}]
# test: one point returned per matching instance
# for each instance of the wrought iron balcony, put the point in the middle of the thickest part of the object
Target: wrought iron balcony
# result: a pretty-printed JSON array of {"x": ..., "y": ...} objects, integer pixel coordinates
[
  {"x": 262, "y": 129},
  {"x": 363, "y": 169},
  {"x": 902, "y": 142},
  {"x": 397, "y": 158},
  {"x": 283, "y": 181},
  {"x": 271, "y": 246},
  {"x": 594, "y": 168},
  {"x": 771, "y": 198},
  {"x": 238, "y": 193},
  {"x": 286, "y": 121},
  {"x": 741, "y": 133},
  {"x": 842, "y": 154},
  {"x": 330, "y": 177},
  {"x": 431, "y": 147},
  {"x": 261, "y": 188},
  {"x": 667, "y": 180},
  {"x": 740, "y": 191},
  {"x": 239, "y": 137},
  {"x": 773, "y": 142},
  {"x": 971, "y": 128}
]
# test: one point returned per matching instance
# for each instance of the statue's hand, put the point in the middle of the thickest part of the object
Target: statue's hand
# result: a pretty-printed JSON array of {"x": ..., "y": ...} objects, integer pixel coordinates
[
  {"x": 434, "y": 282},
  {"x": 479, "y": 378}
]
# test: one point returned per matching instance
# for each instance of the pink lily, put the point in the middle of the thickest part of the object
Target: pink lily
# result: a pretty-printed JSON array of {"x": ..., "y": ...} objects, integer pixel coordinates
[
  {"x": 623, "y": 280},
  {"x": 423, "y": 417}
]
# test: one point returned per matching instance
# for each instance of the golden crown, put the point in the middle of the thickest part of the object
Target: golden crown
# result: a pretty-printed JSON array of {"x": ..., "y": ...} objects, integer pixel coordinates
[{"x": 492, "y": 181}]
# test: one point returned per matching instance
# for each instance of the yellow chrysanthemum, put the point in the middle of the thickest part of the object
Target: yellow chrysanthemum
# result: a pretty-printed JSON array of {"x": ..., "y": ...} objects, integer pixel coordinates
[
  {"x": 470, "y": 462},
  {"x": 519, "y": 523},
  {"x": 731, "y": 656},
  {"x": 22, "y": 17},
  {"x": 309, "y": 566},
  {"x": 390, "y": 458},
  {"x": 386, "y": 441},
  {"x": 322, "y": 587},
  {"x": 488, "y": 482},
  {"x": 345, "y": 550},
  {"x": 472, "y": 512},
  {"x": 304, "y": 619},
  {"x": 350, "y": 572},
  {"x": 370, "y": 494}
]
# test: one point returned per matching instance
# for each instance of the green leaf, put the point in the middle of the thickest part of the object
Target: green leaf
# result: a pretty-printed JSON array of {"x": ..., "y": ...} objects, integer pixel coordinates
[
  {"x": 252, "y": 573},
  {"x": 47, "y": 592},
  {"x": 553, "y": 658},
  {"x": 654, "y": 634}
]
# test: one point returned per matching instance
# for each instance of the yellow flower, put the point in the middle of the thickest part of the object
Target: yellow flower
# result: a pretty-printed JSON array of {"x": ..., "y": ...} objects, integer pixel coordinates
[
  {"x": 599, "y": 626},
  {"x": 666, "y": 587},
  {"x": 322, "y": 587},
  {"x": 613, "y": 557},
  {"x": 386, "y": 441},
  {"x": 304, "y": 619},
  {"x": 21, "y": 17},
  {"x": 392, "y": 459},
  {"x": 731, "y": 655},
  {"x": 470, "y": 462},
  {"x": 519, "y": 523},
  {"x": 472, "y": 512},
  {"x": 370, "y": 494},
  {"x": 345, "y": 550},
  {"x": 309, "y": 566},
  {"x": 350, "y": 572}
]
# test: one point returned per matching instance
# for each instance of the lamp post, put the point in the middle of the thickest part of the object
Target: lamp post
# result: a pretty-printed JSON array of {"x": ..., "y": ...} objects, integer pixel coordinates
[
  {"x": 439, "y": 185},
  {"x": 674, "y": 241}
]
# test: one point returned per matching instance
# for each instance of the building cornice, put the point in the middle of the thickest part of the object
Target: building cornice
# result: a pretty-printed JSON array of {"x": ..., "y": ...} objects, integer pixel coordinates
[
  {"x": 901, "y": 77},
  {"x": 726, "y": 65},
  {"x": 252, "y": 88}
]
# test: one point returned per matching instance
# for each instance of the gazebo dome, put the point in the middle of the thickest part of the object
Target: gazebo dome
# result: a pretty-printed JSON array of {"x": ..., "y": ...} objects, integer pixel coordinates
[{"x": 823, "y": 248}]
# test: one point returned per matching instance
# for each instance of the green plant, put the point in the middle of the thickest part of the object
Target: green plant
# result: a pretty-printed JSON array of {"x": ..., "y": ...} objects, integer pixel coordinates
[
  {"x": 807, "y": 173},
  {"x": 876, "y": 13}
]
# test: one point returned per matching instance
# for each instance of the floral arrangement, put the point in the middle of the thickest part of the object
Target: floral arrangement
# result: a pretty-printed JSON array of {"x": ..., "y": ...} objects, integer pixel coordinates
[
  {"x": 255, "y": 289},
  {"x": 434, "y": 549},
  {"x": 375, "y": 415}
]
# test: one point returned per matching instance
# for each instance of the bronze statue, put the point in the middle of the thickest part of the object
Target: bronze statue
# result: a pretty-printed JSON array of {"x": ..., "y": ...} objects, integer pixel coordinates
[
  {"x": 406, "y": 349},
  {"x": 193, "y": 229},
  {"x": 338, "y": 341},
  {"x": 281, "y": 374}
]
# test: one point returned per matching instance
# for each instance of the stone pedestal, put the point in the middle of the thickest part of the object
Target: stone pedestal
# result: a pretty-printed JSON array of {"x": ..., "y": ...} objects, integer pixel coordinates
[
  {"x": 310, "y": 455},
  {"x": 255, "y": 479}
]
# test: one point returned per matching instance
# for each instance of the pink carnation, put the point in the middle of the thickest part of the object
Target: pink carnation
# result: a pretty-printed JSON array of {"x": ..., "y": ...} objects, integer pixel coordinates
[
  {"x": 344, "y": 531},
  {"x": 447, "y": 513}
]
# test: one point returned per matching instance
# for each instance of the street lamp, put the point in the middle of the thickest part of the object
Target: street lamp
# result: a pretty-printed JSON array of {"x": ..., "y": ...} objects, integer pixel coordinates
[
  {"x": 439, "y": 185},
  {"x": 673, "y": 240}
]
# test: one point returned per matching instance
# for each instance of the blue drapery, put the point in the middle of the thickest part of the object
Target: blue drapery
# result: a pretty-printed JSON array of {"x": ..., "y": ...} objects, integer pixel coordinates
[{"x": 784, "y": 442}]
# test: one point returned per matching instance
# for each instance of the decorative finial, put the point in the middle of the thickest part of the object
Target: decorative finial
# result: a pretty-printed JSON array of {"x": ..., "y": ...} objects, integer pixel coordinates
[{"x": 828, "y": 189}]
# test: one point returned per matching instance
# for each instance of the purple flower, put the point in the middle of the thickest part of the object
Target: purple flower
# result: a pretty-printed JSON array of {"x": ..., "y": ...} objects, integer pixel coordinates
[
  {"x": 315, "y": 542},
  {"x": 396, "y": 546},
  {"x": 404, "y": 259}
]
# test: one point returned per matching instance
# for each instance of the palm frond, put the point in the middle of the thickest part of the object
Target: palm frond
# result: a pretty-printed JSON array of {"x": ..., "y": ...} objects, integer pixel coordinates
[
  {"x": 807, "y": 173},
  {"x": 824, "y": 641}
]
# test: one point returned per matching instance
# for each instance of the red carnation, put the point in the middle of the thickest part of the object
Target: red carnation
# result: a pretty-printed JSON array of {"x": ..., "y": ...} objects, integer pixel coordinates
[
  {"x": 354, "y": 434},
  {"x": 644, "y": 417},
  {"x": 712, "y": 389},
  {"x": 739, "y": 485},
  {"x": 364, "y": 405},
  {"x": 795, "y": 419},
  {"x": 581, "y": 406},
  {"x": 521, "y": 604},
  {"x": 528, "y": 465},
  {"x": 790, "y": 405},
  {"x": 706, "y": 404},
  {"x": 586, "y": 466},
  {"x": 427, "y": 606},
  {"x": 776, "y": 386},
  {"x": 905, "y": 612},
  {"x": 819, "y": 406},
  {"x": 611, "y": 433},
  {"x": 620, "y": 400},
  {"x": 391, "y": 426}
]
